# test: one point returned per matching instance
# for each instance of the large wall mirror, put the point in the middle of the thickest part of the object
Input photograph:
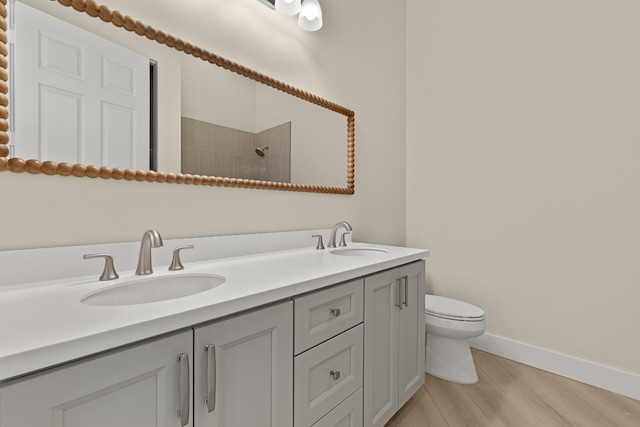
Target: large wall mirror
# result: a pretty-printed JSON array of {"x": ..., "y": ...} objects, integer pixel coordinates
[{"x": 91, "y": 92}]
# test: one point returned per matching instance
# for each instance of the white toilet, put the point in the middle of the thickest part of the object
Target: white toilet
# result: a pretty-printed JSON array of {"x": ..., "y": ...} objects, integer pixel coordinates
[{"x": 449, "y": 324}]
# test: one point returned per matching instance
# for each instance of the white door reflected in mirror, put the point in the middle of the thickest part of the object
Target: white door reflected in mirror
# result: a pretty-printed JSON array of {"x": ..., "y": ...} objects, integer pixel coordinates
[{"x": 77, "y": 97}]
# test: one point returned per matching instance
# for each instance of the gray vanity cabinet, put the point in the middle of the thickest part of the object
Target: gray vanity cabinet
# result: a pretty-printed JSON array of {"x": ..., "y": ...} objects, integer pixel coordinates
[
  {"x": 140, "y": 386},
  {"x": 356, "y": 357},
  {"x": 246, "y": 374},
  {"x": 393, "y": 340},
  {"x": 244, "y": 370}
]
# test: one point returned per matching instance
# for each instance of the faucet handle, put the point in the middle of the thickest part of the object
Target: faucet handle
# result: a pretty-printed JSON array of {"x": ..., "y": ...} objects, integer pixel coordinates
[
  {"x": 320, "y": 245},
  {"x": 109, "y": 272},
  {"x": 176, "y": 264},
  {"x": 343, "y": 242}
]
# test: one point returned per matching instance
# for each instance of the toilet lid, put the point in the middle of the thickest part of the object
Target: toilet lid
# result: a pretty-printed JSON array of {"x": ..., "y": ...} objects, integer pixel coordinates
[{"x": 449, "y": 308}]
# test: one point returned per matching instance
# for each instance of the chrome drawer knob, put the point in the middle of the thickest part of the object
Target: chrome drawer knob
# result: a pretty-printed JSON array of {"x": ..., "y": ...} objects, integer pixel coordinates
[
  {"x": 335, "y": 312},
  {"x": 335, "y": 375}
]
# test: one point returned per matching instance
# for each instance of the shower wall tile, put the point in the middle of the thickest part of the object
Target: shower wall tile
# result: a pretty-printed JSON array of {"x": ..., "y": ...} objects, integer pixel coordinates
[
  {"x": 247, "y": 144},
  {"x": 209, "y": 149},
  {"x": 278, "y": 157},
  {"x": 195, "y": 161},
  {"x": 195, "y": 133}
]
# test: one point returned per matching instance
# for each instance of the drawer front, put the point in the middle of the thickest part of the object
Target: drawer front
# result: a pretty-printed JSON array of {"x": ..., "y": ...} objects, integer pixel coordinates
[
  {"x": 326, "y": 375},
  {"x": 347, "y": 414},
  {"x": 324, "y": 314}
]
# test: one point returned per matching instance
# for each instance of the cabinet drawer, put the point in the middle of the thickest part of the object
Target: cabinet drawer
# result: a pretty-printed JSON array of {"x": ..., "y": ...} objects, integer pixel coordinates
[
  {"x": 324, "y": 314},
  {"x": 326, "y": 375},
  {"x": 346, "y": 414}
]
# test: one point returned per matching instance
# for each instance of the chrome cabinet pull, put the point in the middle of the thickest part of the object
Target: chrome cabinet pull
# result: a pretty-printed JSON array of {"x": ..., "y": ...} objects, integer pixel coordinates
[
  {"x": 210, "y": 399},
  {"x": 335, "y": 312},
  {"x": 399, "y": 304},
  {"x": 406, "y": 291},
  {"x": 183, "y": 379},
  {"x": 335, "y": 375}
]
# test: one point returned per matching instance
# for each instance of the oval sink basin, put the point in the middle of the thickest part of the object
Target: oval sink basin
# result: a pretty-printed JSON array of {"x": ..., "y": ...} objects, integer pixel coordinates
[
  {"x": 153, "y": 289},
  {"x": 359, "y": 251}
]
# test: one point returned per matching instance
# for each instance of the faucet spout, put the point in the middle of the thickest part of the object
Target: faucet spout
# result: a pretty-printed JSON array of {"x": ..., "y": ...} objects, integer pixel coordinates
[
  {"x": 334, "y": 231},
  {"x": 150, "y": 239}
]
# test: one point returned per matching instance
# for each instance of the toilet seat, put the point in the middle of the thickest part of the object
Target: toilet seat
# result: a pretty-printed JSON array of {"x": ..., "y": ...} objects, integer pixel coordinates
[{"x": 451, "y": 309}]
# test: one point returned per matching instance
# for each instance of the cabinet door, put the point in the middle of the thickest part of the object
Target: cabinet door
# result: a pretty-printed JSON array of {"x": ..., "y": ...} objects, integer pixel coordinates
[
  {"x": 244, "y": 370},
  {"x": 138, "y": 386},
  {"x": 411, "y": 331},
  {"x": 381, "y": 301}
]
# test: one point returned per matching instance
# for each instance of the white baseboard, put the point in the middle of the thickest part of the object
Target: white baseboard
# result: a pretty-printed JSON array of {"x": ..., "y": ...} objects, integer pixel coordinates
[{"x": 620, "y": 382}]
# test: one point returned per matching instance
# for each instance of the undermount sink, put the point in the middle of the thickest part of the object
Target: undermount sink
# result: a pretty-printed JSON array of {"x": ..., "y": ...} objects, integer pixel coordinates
[
  {"x": 359, "y": 251},
  {"x": 153, "y": 289}
]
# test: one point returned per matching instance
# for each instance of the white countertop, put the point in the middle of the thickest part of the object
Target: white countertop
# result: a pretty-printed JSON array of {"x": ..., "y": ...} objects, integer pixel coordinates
[{"x": 45, "y": 325}]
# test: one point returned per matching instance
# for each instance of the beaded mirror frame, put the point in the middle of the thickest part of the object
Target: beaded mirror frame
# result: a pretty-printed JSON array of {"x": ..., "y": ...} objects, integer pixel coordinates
[{"x": 116, "y": 18}]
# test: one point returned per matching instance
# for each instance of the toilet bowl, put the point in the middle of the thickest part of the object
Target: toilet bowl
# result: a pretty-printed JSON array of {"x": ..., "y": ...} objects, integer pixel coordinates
[{"x": 449, "y": 324}]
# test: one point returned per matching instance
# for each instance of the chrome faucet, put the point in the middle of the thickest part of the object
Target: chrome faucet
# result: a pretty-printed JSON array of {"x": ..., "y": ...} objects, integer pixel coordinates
[
  {"x": 334, "y": 231},
  {"x": 150, "y": 239}
]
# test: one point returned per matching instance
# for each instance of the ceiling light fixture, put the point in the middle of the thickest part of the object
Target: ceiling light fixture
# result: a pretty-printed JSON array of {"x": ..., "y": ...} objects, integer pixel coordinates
[
  {"x": 288, "y": 7},
  {"x": 310, "y": 18},
  {"x": 308, "y": 11}
]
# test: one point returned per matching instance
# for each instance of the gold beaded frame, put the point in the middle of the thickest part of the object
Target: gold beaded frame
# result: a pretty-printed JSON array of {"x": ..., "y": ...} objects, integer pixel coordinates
[{"x": 93, "y": 9}]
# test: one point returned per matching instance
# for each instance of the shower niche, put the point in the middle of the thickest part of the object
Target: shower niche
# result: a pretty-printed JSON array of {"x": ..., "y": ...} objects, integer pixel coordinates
[{"x": 213, "y": 150}]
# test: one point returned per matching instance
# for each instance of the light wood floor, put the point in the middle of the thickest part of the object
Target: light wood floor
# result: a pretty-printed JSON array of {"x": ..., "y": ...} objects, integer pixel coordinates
[{"x": 511, "y": 394}]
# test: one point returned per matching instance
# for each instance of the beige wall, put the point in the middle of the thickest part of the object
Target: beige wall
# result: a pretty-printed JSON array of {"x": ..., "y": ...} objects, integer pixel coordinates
[
  {"x": 524, "y": 167},
  {"x": 522, "y": 156},
  {"x": 356, "y": 60}
]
